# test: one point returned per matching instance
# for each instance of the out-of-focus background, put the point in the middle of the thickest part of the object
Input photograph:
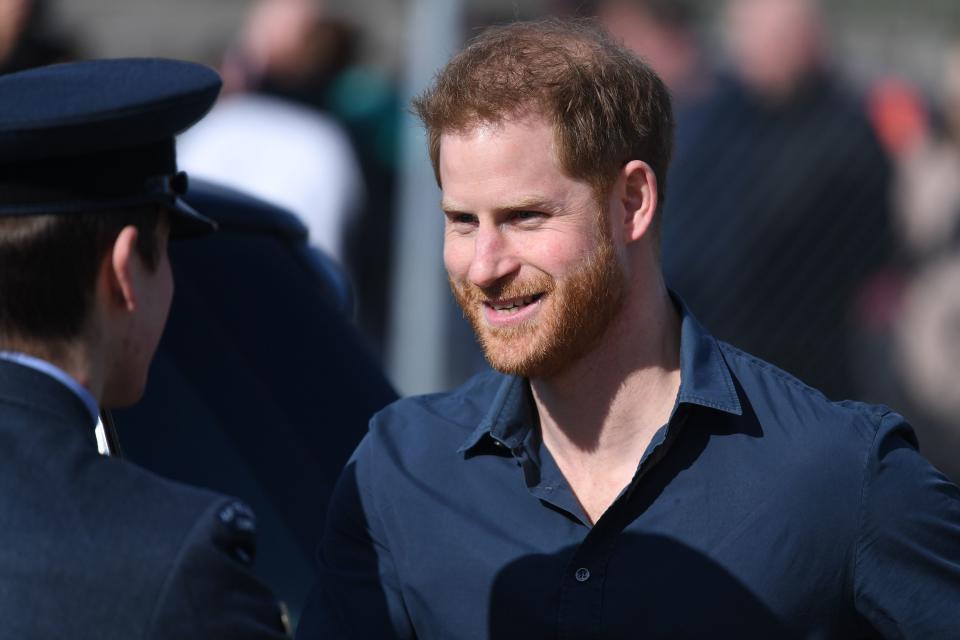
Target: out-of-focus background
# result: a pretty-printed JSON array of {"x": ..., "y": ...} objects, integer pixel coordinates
[{"x": 812, "y": 214}]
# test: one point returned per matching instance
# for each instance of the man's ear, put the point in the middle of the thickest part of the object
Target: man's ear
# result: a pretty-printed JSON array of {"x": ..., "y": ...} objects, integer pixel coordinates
[
  {"x": 119, "y": 270},
  {"x": 639, "y": 198}
]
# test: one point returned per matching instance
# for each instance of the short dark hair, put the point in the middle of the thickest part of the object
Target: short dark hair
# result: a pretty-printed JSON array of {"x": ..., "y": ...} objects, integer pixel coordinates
[
  {"x": 606, "y": 105},
  {"x": 49, "y": 264}
]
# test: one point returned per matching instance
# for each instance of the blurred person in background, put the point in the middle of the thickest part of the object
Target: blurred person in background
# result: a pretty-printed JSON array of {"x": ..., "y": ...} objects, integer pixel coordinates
[
  {"x": 273, "y": 147},
  {"x": 664, "y": 34},
  {"x": 779, "y": 207},
  {"x": 928, "y": 211},
  {"x": 926, "y": 330},
  {"x": 308, "y": 127},
  {"x": 27, "y": 39}
]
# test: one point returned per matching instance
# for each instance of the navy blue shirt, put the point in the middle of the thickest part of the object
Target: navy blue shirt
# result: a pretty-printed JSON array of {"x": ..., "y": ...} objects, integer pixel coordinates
[{"x": 760, "y": 510}]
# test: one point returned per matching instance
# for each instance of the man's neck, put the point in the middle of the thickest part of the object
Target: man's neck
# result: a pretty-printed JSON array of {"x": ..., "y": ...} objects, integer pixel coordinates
[
  {"x": 598, "y": 416},
  {"x": 71, "y": 357}
]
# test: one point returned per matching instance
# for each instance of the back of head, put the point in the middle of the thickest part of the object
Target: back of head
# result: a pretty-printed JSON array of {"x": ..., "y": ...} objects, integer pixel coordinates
[
  {"x": 607, "y": 107},
  {"x": 48, "y": 264}
]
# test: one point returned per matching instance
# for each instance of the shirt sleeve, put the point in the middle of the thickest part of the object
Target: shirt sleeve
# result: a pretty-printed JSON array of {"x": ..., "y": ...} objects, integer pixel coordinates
[
  {"x": 907, "y": 565},
  {"x": 358, "y": 592},
  {"x": 211, "y": 591}
]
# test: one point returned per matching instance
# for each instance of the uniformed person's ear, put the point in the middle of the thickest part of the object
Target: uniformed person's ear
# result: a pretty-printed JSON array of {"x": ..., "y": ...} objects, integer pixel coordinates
[
  {"x": 121, "y": 269},
  {"x": 637, "y": 186}
]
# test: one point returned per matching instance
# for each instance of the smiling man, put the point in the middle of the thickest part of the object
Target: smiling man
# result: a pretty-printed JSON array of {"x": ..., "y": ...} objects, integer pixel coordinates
[
  {"x": 622, "y": 473},
  {"x": 536, "y": 324}
]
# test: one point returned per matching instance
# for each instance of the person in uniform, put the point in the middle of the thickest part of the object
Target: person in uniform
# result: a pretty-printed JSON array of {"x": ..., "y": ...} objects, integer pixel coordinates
[{"x": 92, "y": 546}]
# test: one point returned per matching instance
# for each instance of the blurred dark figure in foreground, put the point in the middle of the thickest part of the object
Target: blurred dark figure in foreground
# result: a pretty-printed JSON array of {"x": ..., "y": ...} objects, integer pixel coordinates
[
  {"x": 777, "y": 207},
  {"x": 262, "y": 386},
  {"x": 300, "y": 60}
]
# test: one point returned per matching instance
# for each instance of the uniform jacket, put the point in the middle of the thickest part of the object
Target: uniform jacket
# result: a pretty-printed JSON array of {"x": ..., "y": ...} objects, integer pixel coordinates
[{"x": 95, "y": 547}]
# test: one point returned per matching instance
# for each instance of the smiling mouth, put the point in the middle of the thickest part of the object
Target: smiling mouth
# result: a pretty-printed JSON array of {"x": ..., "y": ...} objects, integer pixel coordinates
[{"x": 513, "y": 305}]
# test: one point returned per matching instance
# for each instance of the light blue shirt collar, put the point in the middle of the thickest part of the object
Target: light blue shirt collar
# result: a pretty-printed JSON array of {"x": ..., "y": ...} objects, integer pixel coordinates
[{"x": 57, "y": 374}]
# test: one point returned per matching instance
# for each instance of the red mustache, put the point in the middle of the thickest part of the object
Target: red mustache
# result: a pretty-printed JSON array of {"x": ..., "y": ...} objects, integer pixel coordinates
[{"x": 469, "y": 293}]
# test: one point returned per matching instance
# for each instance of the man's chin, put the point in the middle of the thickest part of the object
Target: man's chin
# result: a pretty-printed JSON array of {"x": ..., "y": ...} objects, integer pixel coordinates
[
  {"x": 531, "y": 370},
  {"x": 524, "y": 360}
]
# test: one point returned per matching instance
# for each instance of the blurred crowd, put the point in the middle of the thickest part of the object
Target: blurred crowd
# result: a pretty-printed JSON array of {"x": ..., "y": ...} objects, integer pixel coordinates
[{"x": 809, "y": 221}]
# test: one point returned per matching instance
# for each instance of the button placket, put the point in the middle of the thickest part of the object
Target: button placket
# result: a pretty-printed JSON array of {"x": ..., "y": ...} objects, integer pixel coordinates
[{"x": 581, "y": 597}]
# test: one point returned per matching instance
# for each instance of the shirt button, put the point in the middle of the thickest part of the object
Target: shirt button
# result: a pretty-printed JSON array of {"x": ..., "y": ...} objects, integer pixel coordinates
[{"x": 582, "y": 574}]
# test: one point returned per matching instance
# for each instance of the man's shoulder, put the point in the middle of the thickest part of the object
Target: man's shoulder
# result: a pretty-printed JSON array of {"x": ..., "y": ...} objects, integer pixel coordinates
[
  {"x": 110, "y": 531},
  {"x": 781, "y": 400},
  {"x": 117, "y": 480},
  {"x": 190, "y": 551},
  {"x": 147, "y": 509},
  {"x": 419, "y": 432},
  {"x": 459, "y": 410},
  {"x": 193, "y": 550}
]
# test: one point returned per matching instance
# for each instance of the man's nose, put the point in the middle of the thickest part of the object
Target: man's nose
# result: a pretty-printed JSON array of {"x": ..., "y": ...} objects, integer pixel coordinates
[{"x": 492, "y": 259}]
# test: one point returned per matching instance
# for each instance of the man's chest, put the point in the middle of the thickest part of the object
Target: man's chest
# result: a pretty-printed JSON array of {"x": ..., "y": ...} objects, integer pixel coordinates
[{"x": 680, "y": 554}]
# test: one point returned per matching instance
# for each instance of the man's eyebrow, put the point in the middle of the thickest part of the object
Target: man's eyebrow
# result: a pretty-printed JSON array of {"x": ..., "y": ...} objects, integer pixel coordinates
[
  {"x": 446, "y": 205},
  {"x": 531, "y": 202}
]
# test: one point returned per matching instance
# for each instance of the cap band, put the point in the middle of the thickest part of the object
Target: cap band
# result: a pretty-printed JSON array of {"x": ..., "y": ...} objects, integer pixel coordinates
[{"x": 116, "y": 173}]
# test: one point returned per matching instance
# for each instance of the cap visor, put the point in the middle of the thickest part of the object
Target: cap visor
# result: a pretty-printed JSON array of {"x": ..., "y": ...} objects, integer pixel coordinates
[{"x": 187, "y": 222}]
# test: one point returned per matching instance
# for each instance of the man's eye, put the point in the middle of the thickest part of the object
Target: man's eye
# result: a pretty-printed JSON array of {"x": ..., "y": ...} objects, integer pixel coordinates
[
  {"x": 462, "y": 218},
  {"x": 527, "y": 215}
]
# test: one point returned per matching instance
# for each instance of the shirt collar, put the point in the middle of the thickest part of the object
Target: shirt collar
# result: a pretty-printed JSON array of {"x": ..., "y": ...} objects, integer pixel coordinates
[
  {"x": 510, "y": 417},
  {"x": 704, "y": 376},
  {"x": 57, "y": 374},
  {"x": 704, "y": 380}
]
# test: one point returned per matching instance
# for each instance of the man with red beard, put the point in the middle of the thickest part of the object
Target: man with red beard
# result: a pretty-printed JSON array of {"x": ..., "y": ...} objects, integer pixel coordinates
[{"x": 621, "y": 473}]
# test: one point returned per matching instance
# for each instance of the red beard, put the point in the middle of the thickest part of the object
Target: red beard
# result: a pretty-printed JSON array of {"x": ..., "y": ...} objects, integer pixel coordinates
[{"x": 576, "y": 312}]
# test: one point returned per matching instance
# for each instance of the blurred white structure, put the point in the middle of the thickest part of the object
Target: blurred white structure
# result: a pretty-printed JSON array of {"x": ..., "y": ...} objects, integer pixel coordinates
[
  {"x": 282, "y": 152},
  {"x": 421, "y": 310}
]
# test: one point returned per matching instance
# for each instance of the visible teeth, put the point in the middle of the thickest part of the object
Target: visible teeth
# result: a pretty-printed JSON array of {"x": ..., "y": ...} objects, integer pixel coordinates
[{"x": 514, "y": 305}]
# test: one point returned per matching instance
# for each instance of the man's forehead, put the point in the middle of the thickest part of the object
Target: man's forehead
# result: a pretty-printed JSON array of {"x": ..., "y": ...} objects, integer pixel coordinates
[
  {"x": 481, "y": 129},
  {"x": 492, "y": 126},
  {"x": 468, "y": 150}
]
